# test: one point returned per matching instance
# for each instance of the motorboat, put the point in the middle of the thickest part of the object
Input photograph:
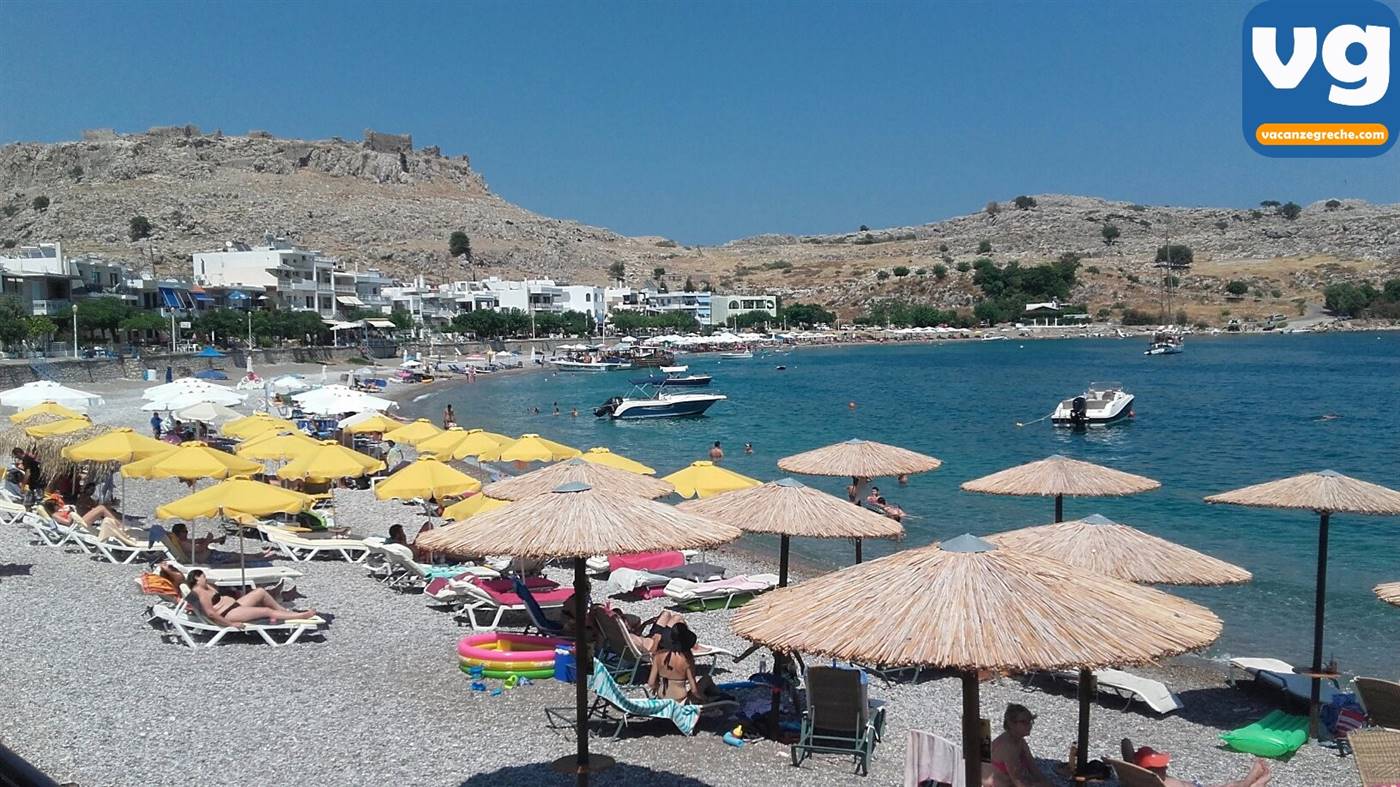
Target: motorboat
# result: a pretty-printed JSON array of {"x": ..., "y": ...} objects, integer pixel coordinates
[
  {"x": 737, "y": 355},
  {"x": 657, "y": 404},
  {"x": 1101, "y": 404},
  {"x": 1166, "y": 344},
  {"x": 674, "y": 376},
  {"x": 566, "y": 365}
]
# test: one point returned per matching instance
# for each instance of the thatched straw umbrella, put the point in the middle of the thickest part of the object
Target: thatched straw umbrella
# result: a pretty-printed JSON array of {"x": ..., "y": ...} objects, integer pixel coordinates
[
  {"x": 1327, "y": 492},
  {"x": 1389, "y": 593},
  {"x": 861, "y": 460},
  {"x": 1102, "y": 546},
  {"x": 49, "y": 450},
  {"x": 788, "y": 508},
  {"x": 15, "y": 436},
  {"x": 601, "y": 477},
  {"x": 967, "y": 605},
  {"x": 1060, "y": 477},
  {"x": 576, "y": 521}
]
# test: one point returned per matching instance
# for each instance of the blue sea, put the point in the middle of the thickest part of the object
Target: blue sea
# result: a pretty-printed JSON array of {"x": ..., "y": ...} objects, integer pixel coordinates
[{"x": 1229, "y": 412}]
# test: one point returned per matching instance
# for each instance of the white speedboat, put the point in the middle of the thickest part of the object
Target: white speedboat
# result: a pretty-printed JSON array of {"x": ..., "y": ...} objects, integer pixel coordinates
[
  {"x": 1101, "y": 404},
  {"x": 565, "y": 365},
  {"x": 739, "y": 355},
  {"x": 658, "y": 405}
]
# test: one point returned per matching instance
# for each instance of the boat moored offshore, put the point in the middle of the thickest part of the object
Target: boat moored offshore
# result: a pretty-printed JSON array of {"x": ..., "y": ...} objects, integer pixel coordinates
[{"x": 1100, "y": 405}]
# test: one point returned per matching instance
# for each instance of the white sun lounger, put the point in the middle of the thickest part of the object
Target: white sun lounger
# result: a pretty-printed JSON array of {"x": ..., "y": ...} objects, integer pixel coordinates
[
  {"x": 300, "y": 549},
  {"x": 11, "y": 511},
  {"x": 189, "y": 624},
  {"x": 727, "y": 590},
  {"x": 1152, "y": 693},
  {"x": 119, "y": 553},
  {"x": 235, "y": 577},
  {"x": 1282, "y": 676}
]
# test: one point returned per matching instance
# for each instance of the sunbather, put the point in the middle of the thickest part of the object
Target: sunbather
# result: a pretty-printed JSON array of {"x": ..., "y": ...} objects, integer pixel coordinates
[
  {"x": 1157, "y": 761},
  {"x": 65, "y": 515},
  {"x": 181, "y": 533},
  {"x": 673, "y": 670},
  {"x": 1013, "y": 765},
  {"x": 227, "y": 610}
]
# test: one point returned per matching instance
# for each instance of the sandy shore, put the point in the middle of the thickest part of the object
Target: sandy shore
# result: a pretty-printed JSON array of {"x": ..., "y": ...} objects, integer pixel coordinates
[{"x": 96, "y": 697}]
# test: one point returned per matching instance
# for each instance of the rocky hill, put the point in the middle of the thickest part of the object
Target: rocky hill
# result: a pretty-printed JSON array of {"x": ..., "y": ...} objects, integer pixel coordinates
[{"x": 380, "y": 201}]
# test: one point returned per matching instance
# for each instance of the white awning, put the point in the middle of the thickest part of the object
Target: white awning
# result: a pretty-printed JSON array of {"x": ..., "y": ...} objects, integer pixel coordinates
[
  {"x": 380, "y": 323},
  {"x": 349, "y": 300}
]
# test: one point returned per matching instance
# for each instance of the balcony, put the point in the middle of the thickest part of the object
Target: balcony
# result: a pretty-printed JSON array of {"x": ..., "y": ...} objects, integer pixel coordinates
[{"x": 51, "y": 307}]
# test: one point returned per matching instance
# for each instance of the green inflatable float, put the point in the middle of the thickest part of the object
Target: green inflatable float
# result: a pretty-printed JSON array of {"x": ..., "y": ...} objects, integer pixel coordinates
[{"x": 1276, "y": 735}]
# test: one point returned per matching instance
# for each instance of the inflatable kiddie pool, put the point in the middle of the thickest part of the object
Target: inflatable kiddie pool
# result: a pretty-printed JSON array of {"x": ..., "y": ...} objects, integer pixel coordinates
[{"x": 501, "y": 654}]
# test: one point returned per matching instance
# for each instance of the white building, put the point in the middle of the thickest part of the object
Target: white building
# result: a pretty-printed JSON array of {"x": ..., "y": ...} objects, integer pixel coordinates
[
  {"x": 40, "y": 277},
  {"x": 696, "y": 304},
  {"x": 586, "y": 299},
  {"x": 722, "y": 307},
  {"x": 293, "y": 277}
]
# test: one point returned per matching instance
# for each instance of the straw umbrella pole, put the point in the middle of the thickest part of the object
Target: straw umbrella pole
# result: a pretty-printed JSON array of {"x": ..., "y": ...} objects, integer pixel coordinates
[
  {"x": 1060, "y": 476},
  {"x": 1389, "y": 593},
  {"x": 576, "y": 521},
  {"x": 966, "y": 605},
  {"x": 788, "y": 508},
  {"x": 1327, "y": 492},
  {"x": 862, "y": 460}
]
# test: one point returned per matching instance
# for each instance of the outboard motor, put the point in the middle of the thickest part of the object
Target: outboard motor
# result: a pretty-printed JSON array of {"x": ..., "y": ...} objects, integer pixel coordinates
[
  {"x": 606, "y": 408},
  {"x": 1078, "y": 411}
]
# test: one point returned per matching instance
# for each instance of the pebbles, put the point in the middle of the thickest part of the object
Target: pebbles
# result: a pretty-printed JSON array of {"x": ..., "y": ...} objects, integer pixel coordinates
[{"x": 95, "y": 697}]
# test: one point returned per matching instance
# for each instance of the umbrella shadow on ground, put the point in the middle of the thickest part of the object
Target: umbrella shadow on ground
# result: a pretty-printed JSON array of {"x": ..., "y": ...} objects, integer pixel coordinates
[
  {"x": 1223, "y": 707},
  {"x": 540, "y": 773}
]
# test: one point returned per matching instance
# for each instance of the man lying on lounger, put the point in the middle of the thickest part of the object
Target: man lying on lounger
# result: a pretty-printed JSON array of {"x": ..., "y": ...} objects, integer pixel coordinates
[{"x": 1150, "y": 759}]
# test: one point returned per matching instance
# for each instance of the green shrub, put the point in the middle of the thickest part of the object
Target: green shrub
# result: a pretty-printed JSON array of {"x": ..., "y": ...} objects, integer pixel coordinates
[
  {"x": 1138, "y": 317},
  {"x": 1110, "y": 234},
  {"x": 943, "y": 248},
  {"x": 1290, "y": 210},
  {"x": 777, "y": 265},
  {"x": 1269, "y": 203},
  {"x": 901, "y": 271},
  {"x": 1094, "y": 269},
  {"x": 964, "y": 266},
  {"x": 985, "y": 247},
  {"x": 1237, "y": 288},
  {"x": 1175, "y": 254},
  {"x": 1023, "y": 202},
  {"x": 139, "y": 227},
  {"x": 40, "y": 203},
  {"x": 882, "y": 275},
  {"x": 940, "y": 272},
  {"x": 1256, "y": 214},
  {"x": 1332, "y": 204}
]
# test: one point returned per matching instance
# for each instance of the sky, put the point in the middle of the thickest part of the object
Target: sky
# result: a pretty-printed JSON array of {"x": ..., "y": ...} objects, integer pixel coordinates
[{"x": 701, "y": 122}]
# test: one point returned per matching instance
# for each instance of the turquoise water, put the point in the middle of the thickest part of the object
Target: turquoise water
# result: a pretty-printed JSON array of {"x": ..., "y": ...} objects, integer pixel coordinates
[{"x": 1229, "y": 412}]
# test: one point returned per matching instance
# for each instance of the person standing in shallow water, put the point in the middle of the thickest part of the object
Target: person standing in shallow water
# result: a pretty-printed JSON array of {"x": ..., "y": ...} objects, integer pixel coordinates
[
  {"x": 449, "y": 418},
  {"x": 716, "y": 453}
]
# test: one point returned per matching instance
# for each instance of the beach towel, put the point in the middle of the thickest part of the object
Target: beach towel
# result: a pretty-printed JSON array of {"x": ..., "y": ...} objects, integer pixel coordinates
[
  {"x": 930, "y": 758},
  {"x": 646, "y": 561},
  {"x": 626, "y": 580},
  {"x": 739, "y": 584},
  {"x": 508, "y": 598},
  {"x": 695, "y": 572},
  {"x": 685, "y": 717}
]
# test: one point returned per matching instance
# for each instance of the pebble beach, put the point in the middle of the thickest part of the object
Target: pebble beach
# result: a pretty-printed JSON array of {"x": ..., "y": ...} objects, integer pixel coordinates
[{"x": 96, "y": 696}]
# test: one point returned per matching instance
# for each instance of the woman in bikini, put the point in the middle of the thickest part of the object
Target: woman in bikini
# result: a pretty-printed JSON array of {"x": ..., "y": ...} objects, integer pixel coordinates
[
  {"x": 227, "y": 610},
  {"x": 673, "y": 670},
  {"x": 1012, "y": 762},
  {"x": 65, "y": 514}
]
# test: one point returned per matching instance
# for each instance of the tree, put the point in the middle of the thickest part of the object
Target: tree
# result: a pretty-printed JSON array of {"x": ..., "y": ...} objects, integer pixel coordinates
[
  {"x": 806, "y": 315},
  {"x": 39, "y": 327},
  {"x": 1023, "y": 202},
  {"x": 1290, "y": 210},
  {"x": 1332, "y": 204},
  {"x": 216, "y": 323},
  {"x": 1345, "y": 299},
  {"x": 1237, "y": 288},
  {"x": 401, "y": 319},
  {"x": 984, "y": 247},
  {"x": 13, "y": 320},
  {"x": 102, "y": 314},
  {"x": 1175, "y": 255},
  {"x": 40, "y": 203},
  {"x": 459, "y": 245},
  {"x": 991, "y": 210},
  {"x": 617, "y": 271},
  {"x": 901, "y": 271},
  {"x": 689, "y": 285},
  {"x": 1110, "y": 234},
  {"x": 1269, "y": 203},
  {"x": 864, "y": 228},
  {"x": 882, "y": 275},
  {"x": 964, "y": 266},
  {"x": 657, "y": 273},
  {"x": 940, "y": 271},
  {"x": 139, "y": 227}
]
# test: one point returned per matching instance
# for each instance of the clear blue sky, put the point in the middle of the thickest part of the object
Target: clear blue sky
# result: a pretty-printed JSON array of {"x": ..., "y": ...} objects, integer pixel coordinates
[{"x": 700, "y": 121}]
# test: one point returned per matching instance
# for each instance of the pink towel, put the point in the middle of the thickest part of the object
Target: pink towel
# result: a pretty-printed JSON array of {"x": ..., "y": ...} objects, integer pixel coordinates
[
  {"x": 545, "y": 596},
  {"x": 646, "y": 561},
  {"x": 506, "y": 585}
]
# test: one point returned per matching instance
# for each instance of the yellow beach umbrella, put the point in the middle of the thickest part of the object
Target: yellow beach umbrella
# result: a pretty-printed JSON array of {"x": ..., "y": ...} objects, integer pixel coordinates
[
  {"x": 329, "y": 460},
  {"x": 603, "y": 456},
  {"x": 236, "y": 496},
  {"x": 270, "y": 446},
  {"x": 426, "y": 478},
  {"x": 119, "y": 445},
  {"x": 52, "y": 408},
  {"x": 532, "y": 448},
  {"x": 476, "y": 504},
  {"x": 58, "y": 427},
  {"x": 705, "y": 478},
  {"x": 458, "y": 443},
  {"x": 191, "y": 461},
  {"x": 255, "y": 424},
  {"x": 413, "y": 433},
  {"x": 377, "y": 423}
]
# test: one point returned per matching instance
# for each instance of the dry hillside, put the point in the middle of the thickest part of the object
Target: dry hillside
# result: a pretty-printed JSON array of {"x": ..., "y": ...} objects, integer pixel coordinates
[{"x": 382, "y": 202}]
